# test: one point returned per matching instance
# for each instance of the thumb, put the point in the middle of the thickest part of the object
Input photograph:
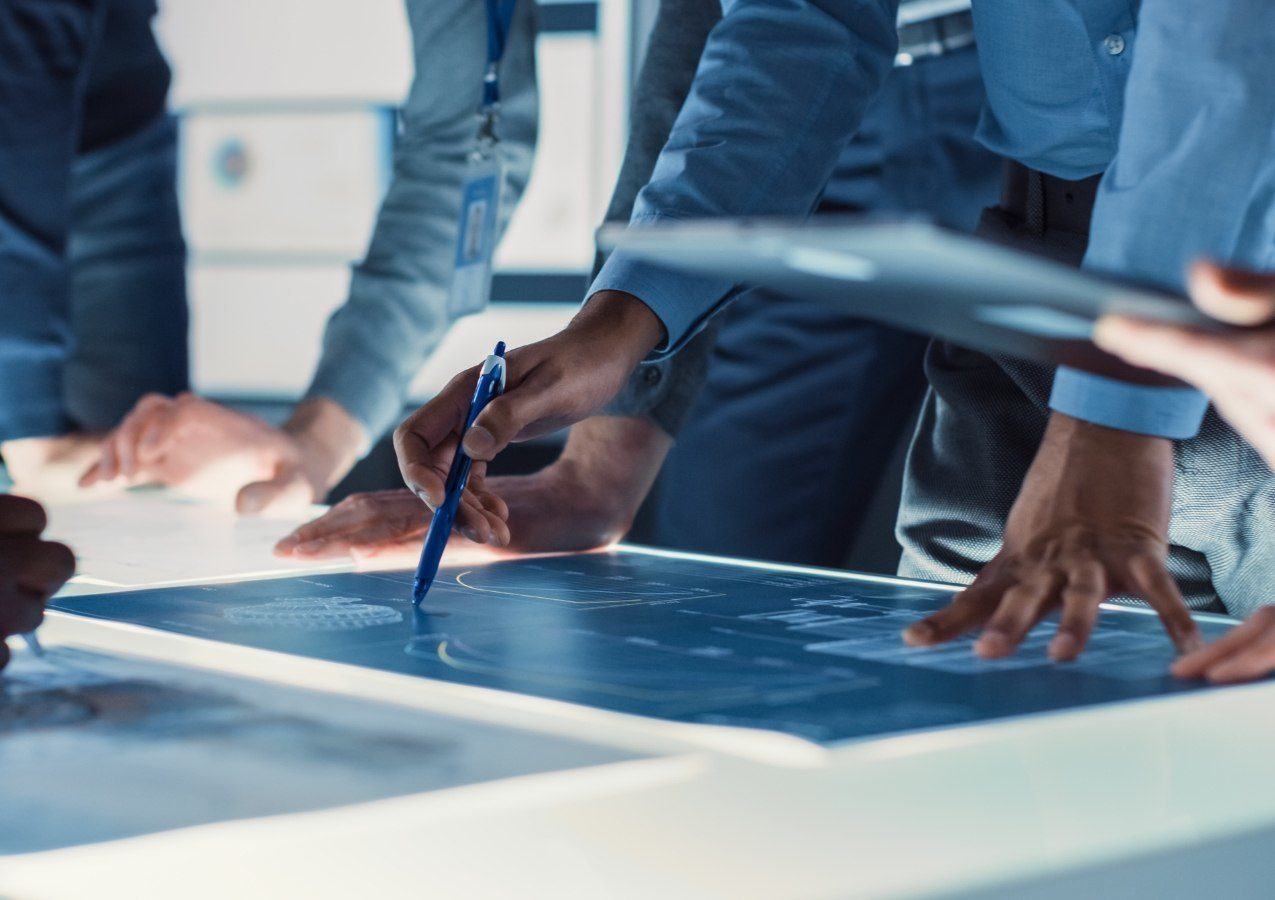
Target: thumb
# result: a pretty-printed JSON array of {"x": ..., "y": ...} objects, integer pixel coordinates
[
  {"x": 1194, "y": 356},
  {"x": 513, "y": 413},
  {"x": 289, "y": 489},
  {"x": 1237, "y": 296}
]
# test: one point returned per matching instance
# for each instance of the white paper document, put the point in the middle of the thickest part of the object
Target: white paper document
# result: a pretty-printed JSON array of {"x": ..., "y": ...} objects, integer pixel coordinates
[{"x": 147, "y": 538}]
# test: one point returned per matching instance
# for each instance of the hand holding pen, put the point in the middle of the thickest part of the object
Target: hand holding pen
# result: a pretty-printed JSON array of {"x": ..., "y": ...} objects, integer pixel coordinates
[
  {"x": 490, "y": 384},
  {"x": 550, "y": 384}
]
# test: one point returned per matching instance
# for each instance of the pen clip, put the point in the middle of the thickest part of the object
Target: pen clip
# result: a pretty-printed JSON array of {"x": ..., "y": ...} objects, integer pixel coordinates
[{"x": 491, "y": 364}]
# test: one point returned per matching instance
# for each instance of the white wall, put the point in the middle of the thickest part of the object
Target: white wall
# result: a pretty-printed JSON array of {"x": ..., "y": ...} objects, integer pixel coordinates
[{"x": 290, "y": 55}]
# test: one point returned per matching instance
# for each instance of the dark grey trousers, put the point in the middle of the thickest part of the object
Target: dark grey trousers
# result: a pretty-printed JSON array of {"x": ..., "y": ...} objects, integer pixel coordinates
[{"x": 981, "y": 423}]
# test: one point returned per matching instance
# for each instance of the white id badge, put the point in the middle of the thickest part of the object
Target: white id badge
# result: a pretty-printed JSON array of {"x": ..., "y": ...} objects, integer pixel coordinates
[{"x": 476, "y": 236}]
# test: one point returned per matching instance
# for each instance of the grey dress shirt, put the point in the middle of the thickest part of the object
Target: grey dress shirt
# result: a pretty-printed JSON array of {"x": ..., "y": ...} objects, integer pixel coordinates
[{"x": 396, "y": 313}]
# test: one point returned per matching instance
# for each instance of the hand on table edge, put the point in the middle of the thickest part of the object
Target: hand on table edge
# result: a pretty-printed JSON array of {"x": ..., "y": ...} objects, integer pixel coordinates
[
  {"x": 176, "y": 440},
  {"x": 1090, "y": 522},
  {"x": 586, "y": 499},
  {"x": 1245, "y": 653},
  {"x": 50, "y": 465}
]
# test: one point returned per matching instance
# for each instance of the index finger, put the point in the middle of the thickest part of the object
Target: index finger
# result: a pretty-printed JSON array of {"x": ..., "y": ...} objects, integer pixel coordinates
[
  {"x": 119, "y": 450},
  {"x": 1187, "y": 353},
  {"x": 323, "y": 526},
  {"x": 419, "y": 441},
  {"x": 1199, "y": 661},
  {"x": 1159, "y": 589},
  {"x": 19, "y": 515}
]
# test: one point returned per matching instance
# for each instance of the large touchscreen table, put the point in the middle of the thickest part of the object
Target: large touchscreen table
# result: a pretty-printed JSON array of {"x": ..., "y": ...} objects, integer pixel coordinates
[{"x": 690, "y": 639}]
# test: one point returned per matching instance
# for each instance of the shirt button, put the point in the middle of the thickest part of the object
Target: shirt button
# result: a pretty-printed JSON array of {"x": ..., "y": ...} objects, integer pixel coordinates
[
  {"x": 1114, "y": 44},
  {"x": 651, "y": 376}
]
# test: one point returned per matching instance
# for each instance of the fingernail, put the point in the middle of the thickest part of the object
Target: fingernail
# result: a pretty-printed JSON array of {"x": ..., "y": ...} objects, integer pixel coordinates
[
  {"x": 991, "y": 644},
  {"x": 917, "y": 633},
  {"x": 1063, "y": 647},
  {"x": 1222, "y": 674},
  {"x": 311, "y": 546},
  {"x": 1191, "y": 642},
  {"x": 470, "y": 533},
  {"x": 1117, "y": 329},
  {"x": 479, "y": 442},
  {"x": 1105, "y": 331}
]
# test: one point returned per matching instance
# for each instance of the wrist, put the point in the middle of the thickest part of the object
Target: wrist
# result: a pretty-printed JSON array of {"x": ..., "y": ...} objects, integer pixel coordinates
[
  {"x": 1082, "y": 466},
  {"x": 615, "y": 458},
  {"x": 1114, "y": 443},
  {"x": 329, "y": 439},
  {"x": 624, "y": 319}
]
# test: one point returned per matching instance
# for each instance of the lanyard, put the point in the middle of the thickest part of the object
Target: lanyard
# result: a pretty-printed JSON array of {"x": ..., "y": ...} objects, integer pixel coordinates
[
  {"x": 500, "y": 14},
  {"x": 480, "y": 193}
]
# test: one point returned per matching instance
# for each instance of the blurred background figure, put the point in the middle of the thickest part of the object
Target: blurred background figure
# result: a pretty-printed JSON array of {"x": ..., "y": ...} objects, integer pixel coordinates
[
  {"x": 397, "y": 309},
  {"x": 92, "y": 261},
  {"x": 312, "y": 169}
]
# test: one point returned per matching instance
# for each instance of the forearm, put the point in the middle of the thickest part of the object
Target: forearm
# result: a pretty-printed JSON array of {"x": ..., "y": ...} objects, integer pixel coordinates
[
  {"x": 330, "y": 438},
  {"x": 618, "y": 456},
  {"x": 814, "y": 67},
  {"x": 397, "y": 311},
  {"x": 589, "y": 497}
]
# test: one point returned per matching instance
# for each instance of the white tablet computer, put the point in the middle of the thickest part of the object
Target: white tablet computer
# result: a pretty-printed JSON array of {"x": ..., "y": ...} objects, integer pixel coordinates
[{"x": 916, "y": 275}]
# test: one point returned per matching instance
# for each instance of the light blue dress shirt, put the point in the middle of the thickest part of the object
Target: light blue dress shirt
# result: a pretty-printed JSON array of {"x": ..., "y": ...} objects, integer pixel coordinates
[{"x": 1185, "y": 133}]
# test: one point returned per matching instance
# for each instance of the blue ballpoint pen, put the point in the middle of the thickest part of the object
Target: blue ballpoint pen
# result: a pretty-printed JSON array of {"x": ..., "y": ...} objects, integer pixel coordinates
[{"x": 491, "y": 383}]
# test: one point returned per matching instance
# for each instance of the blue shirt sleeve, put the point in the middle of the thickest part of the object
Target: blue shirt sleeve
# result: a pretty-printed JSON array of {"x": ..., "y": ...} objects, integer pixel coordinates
[
  {"x": 780, "y": 89},
  {"x": 1193, "y": 177},
  {"x": 1170, "y": 412}
]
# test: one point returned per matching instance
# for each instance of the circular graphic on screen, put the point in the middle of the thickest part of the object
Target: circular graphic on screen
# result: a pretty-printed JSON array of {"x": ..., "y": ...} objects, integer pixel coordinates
[{"x": 315, "y": 614}]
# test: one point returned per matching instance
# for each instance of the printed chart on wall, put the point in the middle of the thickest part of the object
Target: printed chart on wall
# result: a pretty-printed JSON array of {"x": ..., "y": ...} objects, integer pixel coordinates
[{"x": 688, "y": 639}]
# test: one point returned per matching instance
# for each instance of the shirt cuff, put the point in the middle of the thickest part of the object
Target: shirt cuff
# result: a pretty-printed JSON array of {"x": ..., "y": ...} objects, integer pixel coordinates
[
  {"x": 1167, "y": 412},
  {"x": 682, "y": 302},
  {"x": 31, "y": 390},
  {"x": 363, "y": 389}
]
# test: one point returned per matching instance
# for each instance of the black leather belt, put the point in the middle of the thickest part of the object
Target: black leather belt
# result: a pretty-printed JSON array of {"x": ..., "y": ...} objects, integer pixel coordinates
[
  {"x": 935, "y": 37},
  {"x": 1046, "y": 204}
]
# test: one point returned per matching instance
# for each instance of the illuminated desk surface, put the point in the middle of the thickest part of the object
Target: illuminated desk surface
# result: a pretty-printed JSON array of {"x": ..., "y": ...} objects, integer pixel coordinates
[{"x": 1167, "y": 795}]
